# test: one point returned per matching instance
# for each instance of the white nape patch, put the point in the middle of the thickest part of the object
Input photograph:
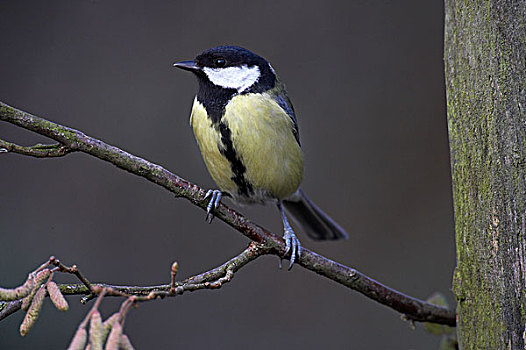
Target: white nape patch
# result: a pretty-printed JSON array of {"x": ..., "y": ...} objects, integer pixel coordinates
[
  {"x": 272, "y": 69},
  {"x": 239, "y": 78}
]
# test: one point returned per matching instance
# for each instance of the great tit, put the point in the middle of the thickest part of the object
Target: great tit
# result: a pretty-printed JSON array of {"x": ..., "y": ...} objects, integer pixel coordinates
[{"x": 247, "y": 132}]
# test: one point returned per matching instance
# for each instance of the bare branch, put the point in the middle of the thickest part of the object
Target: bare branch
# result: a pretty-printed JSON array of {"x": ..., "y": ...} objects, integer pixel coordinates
[{"x": 414, "y": 309}]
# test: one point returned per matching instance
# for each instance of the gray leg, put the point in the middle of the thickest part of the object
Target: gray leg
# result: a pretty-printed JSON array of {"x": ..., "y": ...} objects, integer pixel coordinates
[
  {"x": 215, "y": 200},
  {"x": 290, "y": 238}
]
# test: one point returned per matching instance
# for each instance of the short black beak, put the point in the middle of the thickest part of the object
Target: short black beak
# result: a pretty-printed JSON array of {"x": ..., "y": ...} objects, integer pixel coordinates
[{"x": 187, "y": 65}]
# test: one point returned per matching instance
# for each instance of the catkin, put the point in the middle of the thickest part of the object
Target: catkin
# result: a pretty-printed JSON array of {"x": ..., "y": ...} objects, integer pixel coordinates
[
  {"x": 33, "y": 312},
  {"x": 7, "y": 294},
  {"x": 108, "y": 324},
  {"x": 95, "y": 331},
  {"x": 114, "y": 337},
  {"x": 57, "y": 297},
  {"x": 39, "y": 280},
  {"x": 79, "y": 340},
  {"x": 125, "y": 343}
]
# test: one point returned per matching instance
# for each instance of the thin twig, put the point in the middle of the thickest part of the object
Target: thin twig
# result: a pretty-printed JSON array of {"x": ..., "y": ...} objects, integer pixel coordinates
[
  {"x": 211, "y": 279},
  {"x": 38, "y": 150},
  {"x": 101, "y": 293},
  {"x": 125, "y": 307},
  {"x": 417, "y": 310},
  {"x": 73, "y": 270}
]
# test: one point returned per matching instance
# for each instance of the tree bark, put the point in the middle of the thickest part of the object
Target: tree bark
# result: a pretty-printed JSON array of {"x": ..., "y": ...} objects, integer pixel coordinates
[{"x": 485, "y": 58}]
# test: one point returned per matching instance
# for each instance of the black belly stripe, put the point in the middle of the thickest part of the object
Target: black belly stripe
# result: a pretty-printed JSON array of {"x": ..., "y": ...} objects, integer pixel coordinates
[
  {"x": 214, "y": 99},
  {"x": 236, "y": 165}
]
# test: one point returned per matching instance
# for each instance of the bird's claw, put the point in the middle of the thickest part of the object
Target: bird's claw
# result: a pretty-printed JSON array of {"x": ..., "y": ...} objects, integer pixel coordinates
[
  {"x": 292, "y": 245},
  {"x": 213, "y": 204}
]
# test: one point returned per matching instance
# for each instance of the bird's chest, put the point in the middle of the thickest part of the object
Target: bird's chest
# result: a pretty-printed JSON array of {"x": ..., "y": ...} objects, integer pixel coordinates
[{"x": 251, "y": 152}]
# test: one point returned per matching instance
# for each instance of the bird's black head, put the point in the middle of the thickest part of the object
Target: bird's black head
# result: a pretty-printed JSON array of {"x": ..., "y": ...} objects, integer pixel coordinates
[
  {"x": 229, "y": 56},
  {"x": 232, "y": 68}
]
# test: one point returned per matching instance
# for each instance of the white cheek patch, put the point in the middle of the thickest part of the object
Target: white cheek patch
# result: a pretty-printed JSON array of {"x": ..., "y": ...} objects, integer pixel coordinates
[{"x": 239, "y": 78}]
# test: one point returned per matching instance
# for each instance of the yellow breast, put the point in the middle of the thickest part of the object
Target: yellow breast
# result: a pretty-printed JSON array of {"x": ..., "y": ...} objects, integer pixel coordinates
[
  {"x": 209, "y": 141},
  {"x": 262, "y": 139}
]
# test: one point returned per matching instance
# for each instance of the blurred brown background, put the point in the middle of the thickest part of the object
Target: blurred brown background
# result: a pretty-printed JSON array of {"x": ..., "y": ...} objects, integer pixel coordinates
[{"x": 366, "y": 79}]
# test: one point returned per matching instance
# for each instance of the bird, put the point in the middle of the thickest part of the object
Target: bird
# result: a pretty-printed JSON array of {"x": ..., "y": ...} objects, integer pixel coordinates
[{"x": 247, "y": 132}]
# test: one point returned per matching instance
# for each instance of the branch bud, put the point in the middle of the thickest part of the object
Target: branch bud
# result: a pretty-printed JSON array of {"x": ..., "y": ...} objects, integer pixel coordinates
[{"x": 175, "y": 268}]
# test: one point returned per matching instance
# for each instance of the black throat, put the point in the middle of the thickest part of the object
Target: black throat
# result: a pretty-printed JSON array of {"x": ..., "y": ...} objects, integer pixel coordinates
[{"x": 215, "y": 98}]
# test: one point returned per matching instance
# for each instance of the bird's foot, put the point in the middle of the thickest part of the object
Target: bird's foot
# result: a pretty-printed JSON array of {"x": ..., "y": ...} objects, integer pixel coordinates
[
  {"x": 213, "y": 204},
  {"x": 293, "y": 246}
]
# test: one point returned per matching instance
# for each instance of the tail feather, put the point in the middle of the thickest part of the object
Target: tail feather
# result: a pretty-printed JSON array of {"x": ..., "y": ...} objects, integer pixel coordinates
[{"x": 313, "y": 221}]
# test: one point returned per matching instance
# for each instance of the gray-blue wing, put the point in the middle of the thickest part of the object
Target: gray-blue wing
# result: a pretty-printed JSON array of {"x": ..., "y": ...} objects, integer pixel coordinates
[{"x": 284, "y": 102}]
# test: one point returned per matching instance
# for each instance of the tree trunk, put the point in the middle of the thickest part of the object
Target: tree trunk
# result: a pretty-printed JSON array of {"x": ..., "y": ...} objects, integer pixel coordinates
[{"x": 485, "y": 59}]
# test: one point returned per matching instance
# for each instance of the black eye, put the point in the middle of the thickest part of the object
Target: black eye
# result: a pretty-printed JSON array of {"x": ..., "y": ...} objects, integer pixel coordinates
[{"x": 220, "y": 62}]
